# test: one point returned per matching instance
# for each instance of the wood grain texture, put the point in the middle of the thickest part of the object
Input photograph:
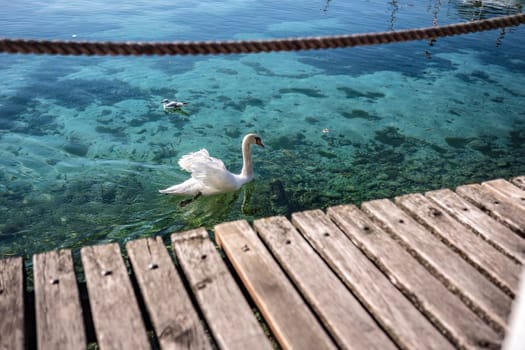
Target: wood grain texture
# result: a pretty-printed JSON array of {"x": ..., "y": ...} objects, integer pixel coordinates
[
  {"x": 501, "y": 270},
  {"x": 497, "y": 205},
  {"x": 397, "y": 315},
  {"x": 497, "y": 234},
  {"x": 59, "y": 320},
  {"x": 507, "y": 189},
  {"x": 348, "y": 322},
  {"x": 227, "y": 312},
  {"x": 175, "y": 321},
  {"x": 116, "y": 315},
  {"x": 444, "y": 309},
  {"x": 519, "y": 181},
  {"x": 290, "y": 319},
  {"x": 459, "y": 276},
  {"x": 12, "y": 331}
]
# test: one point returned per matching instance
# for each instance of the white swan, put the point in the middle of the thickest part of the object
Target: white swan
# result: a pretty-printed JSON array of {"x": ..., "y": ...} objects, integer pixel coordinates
[{"x": 209, "y": 176}]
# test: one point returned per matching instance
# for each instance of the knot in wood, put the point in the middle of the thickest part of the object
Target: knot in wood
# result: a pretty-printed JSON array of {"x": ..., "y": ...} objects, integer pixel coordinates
[
  {"x": 106, "y": 272},
  {"x": 435, "y": 212},
  {"x": 245, "y": 248},
  {"x": 153, "y": 266},
  {"x": 53, "y": 281},
  {"x": 202, "y": 284}
]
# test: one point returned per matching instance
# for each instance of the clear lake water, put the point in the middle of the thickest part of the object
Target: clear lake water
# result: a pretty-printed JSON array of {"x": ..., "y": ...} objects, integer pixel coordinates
[{"x": 85, "y": 144}]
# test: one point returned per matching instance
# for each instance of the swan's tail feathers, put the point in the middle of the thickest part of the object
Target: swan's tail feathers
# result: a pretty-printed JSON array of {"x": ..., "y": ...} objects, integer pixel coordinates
[
  {"x": 169, "y": 190},
  {"x": 187, "y": 188},
  {"x": 176, "y": 189}
]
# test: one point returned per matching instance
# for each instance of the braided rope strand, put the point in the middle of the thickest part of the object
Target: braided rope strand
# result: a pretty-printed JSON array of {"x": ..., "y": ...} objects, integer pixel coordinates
[{"x": 77, "y": 48}]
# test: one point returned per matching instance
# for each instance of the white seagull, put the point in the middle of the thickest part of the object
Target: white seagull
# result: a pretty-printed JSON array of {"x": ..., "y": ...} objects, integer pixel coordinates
[
  {"x": 209, "y": 176},
  {"x": 172, "y": 105}
]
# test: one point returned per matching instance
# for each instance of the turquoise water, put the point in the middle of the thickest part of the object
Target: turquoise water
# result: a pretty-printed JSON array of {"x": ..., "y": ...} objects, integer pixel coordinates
[{"x": 85, "y": 145}]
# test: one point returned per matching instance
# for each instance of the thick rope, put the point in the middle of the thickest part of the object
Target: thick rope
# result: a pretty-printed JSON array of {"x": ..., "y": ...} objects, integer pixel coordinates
[{"x": 240, "y": 47}]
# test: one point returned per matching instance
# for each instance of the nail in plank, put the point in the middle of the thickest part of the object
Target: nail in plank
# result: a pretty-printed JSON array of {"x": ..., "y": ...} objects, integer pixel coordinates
[{"x": 514, "y": 193}]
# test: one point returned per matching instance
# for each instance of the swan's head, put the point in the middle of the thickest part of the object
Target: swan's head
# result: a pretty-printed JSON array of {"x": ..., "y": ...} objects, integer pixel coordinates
[
  {"x": 252, "y": 139},
  {"x": 165, "y": 101}
]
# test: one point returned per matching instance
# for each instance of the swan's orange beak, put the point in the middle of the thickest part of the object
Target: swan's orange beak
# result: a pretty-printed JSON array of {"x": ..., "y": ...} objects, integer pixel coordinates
[{"x": 259, "y": 142}]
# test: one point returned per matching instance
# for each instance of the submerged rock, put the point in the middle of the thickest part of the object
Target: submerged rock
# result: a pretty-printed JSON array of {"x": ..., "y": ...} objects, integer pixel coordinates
[
  {"x": 457, "y": 142},
  {"x": 76, "y": 148},
  {"x": 359, "y": 113},
  {"x": 390, "y": 136},
  {"x": 327, "y": 154},
  {"x": 281, "y": 202},
  {"x": 278, "y": 193}
]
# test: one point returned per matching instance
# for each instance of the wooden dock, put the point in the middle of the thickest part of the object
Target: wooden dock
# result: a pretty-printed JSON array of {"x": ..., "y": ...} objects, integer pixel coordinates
[{"x": 432, "y": 271}]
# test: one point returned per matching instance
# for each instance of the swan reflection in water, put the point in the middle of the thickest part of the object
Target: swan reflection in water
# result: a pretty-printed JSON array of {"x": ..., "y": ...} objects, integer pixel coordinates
[{"x": 250, "y": 201}]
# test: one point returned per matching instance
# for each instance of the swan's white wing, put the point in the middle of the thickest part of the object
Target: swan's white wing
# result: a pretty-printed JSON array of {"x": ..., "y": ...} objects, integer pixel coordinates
[
  {"x": 213, "y": 175},
  {"x": 208, "y": 175},
  {"x": 186, "y": 161}
]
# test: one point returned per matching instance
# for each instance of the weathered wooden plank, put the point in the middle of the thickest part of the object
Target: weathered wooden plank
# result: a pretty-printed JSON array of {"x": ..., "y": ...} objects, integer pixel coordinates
[
  {"x": 502, "y": 271},
  {"x": 497, "y": 234},
  {"x": 403, "y": 322},
  {"x": 507, "y": 189},
  {"x": 500, "y": 207},
  {"x": 519, "y": 181},
  {"x": 59, "y": 320},
  {"x": 444, "y": 309},
  {"x": 227, "y": 312},
  {"x": 460, "y": 277},
  {"x": 12, "y": 331},
  {"x": 175, "y": 321},
  {"x": 279, "y": 302},
  {"x": 116, "y": 315},
  {"x": 348, "y": 322}
]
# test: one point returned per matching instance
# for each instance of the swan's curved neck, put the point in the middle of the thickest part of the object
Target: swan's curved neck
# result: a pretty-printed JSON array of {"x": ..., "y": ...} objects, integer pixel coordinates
[{"x": 247, "y": 166}]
